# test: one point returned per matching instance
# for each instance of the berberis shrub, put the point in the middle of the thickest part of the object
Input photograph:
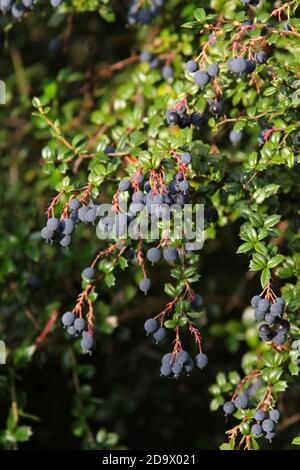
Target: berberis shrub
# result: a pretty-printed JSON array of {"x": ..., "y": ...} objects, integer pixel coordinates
[{"x": 201, "y": 118}]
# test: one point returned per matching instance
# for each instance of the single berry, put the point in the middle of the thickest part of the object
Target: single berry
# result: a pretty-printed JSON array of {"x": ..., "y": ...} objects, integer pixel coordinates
[
  {"x": 90, "y": 215},
  {"x": 170, "y": 254},
  {"x": 185, "y": 121},
  {"x": 201, "y": 78},
  {"x": 182, "y": 357},
  {"x": 109, "y": 149},
  {"x": 229, "y": 407},
  {"x": 80, "y": 324},
  {"x": 160, "y": 334},
  {"x": 145, "y": 56},
  {"x": 261, "y": 57},
  {"x": 167, "y": 72},
  {"x": 68, "y": 318},
  {"x": 166, "y": 370},
  {"x": 280, "y": 300},
  {"x": 151, "y": 325},
  {"x": 282, "y": 326},
  {"x": 279, "y": 339},
  {"x": 269, "y": 318},
  {"x": 263, "y": 305},
  {"x": 201, "y": 360},
  {"x": 145, "y": 285},
  {"x": 88, "y": 274},
  {"x": 124, "y": 185},
  {"x": 197, "y": 302},
  {"x": 241, "y": 401},
  {"x": 274, "y": 415},
  {"x": 87, "y": 343},
  {"x": 74, "y": 204},
  {"x": 260, "y": 415},
  {"x": 167, "y": 358},
  {"x": 235, "y": 136},
  {"x": 256, "y": 429},
  {"x": 250, "y": 66},
  {"x": 277, "y": 309},
  {"x": 66, "y": 226},
  {"x": 268, "y": 425},
  {"x": 259, "y": 315},
  {"x": 191, "y": 66},
  {"x": 237, "y": 65},
  {"x": 186, "y": 158},
  {"x": 198, "y": 119},
  {"x": 71, "y": 330},
  {"x": 47, "y": 233},
  {"x": 53, "y": 223},
  {"x": 82, "y": 212},
  {"x": 213, "y": 70},
  {"x": 173, "y": 118},
  {"x": 65, "y": 241},
  {"x": 215, "y": 107},
  {"x": 154, "y": 255},
  {"x": 270, "y": 435},
  {"x": 177, "y": 369},
  {"x": 184, "y": 186}
]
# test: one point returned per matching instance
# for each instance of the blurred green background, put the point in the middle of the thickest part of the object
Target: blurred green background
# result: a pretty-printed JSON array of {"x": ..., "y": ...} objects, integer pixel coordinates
[{"x": 54, "y": 396}]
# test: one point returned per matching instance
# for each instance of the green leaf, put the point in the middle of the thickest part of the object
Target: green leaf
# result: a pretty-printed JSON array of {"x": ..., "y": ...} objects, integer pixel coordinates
[
  {"x": 263, "y": 193},
  {"x": 110, "y": 280},
  {"x": 245, "y": 247},
  {"x": 36, "y": 102},
  {"x": 272, "y": 220},
  {"x": 265, "y": 277},
  {"x": 296, "y": 441},
  {"x": 275, "y": 261},
  {"x": 170, "y": 290},
  {"x": 23, "y": 433},
  {"x": 182, "y": 321},
  {"x": 216, "y": 403},
  {"x": 261, "y": 248},
  {"x": 123, "y": 263},
  {"x": 225, "y": 446},
  {"x": 221, "y": 379},
  {"x": 200, "y": 14},
  {"x": 170, "y": 324}
]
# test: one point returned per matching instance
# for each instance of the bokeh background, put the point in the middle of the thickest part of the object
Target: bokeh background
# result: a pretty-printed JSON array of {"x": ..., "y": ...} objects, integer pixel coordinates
[{"x": 53, "y": 396}]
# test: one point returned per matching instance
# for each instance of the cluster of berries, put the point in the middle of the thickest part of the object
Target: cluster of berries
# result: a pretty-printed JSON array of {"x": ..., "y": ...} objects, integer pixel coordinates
[
  {"x": 17, "y": 9},
  {"x": 201, "y": 77},
  {"x": 179, "y": 116},
  {"x": 240, "y": 402},
  {"x": 181, "y": 363},
  {"x": 62, "y": 229},
  {"x": 154, "y": 62},
  {"x": 76, "y": 326},
  {"x": 265, "y": 423},
  {"x": 143, "y": 12},
  {"x": 276, "y": 328},
  {"x": 58, "y": 229}
]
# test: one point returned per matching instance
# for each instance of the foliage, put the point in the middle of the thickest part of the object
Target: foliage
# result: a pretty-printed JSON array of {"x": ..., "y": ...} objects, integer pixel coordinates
[{"x": 91, "y": 90}]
